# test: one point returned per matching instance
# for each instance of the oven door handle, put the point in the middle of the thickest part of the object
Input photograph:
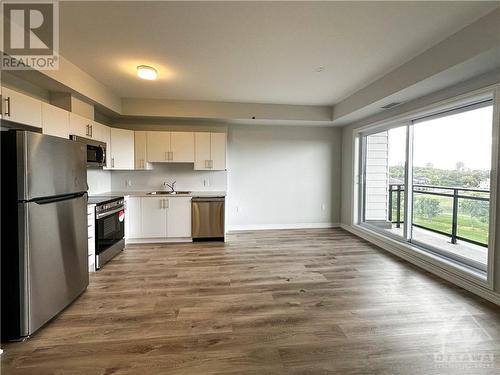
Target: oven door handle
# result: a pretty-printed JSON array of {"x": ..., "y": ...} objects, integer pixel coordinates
[{"x": 108, "y": 213}]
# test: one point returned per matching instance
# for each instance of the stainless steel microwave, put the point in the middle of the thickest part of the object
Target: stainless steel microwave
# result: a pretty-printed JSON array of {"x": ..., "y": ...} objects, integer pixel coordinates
[{"x": 96, "y": 151}]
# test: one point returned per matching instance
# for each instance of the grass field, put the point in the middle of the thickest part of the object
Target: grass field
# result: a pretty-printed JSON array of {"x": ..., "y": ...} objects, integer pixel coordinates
[{"x": 468, "y": 227}]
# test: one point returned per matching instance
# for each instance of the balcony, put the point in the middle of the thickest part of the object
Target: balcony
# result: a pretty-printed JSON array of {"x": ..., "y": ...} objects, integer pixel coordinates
[{"x": 452, "y": 220}]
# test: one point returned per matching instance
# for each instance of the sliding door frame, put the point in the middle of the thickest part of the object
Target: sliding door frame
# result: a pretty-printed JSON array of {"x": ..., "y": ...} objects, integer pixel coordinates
[{"x": 444, "y": 108}]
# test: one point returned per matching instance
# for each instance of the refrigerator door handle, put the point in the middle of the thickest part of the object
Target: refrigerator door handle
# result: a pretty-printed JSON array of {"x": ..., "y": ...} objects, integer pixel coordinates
[{"x": 59, "y": 198}]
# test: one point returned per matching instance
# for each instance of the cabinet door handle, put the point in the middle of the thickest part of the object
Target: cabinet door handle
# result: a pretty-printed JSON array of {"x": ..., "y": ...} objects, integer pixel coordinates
[
  {"x": 7, "y": 106},
  {"x": 167, "y": 201},
  {"x": 112, "y": 162},
  {"x": 91, "y": 130}
]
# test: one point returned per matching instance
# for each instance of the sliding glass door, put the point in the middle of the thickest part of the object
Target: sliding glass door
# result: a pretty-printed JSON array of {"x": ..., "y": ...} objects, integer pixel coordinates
[
  {"x": 451, "y": 182},
  {"x": 427, "y": 182}
]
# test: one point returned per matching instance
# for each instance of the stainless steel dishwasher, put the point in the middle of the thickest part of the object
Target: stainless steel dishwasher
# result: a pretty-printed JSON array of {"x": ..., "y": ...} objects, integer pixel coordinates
[{"x": 207, "y": 215}]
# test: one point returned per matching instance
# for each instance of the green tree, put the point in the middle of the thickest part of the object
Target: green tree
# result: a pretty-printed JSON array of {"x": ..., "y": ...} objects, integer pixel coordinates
[
  {"x": 427, "y": 207},
  {"x": 475, "y": 209}
]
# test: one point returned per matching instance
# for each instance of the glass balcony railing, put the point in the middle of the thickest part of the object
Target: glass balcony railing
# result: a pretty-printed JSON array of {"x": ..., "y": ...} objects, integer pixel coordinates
[{"x": 459, "y": 213}]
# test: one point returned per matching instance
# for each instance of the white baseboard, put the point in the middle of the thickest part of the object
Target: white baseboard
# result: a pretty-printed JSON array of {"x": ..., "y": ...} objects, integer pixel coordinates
[
  {"x": 443, "y": 272},
  {"x": 131, "y": 241},
  {"x": 249, "y": 227}
]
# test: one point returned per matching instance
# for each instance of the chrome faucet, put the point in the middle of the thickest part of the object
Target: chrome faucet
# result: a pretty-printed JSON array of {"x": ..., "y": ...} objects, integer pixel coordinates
[{"x": 171, "y": 186}]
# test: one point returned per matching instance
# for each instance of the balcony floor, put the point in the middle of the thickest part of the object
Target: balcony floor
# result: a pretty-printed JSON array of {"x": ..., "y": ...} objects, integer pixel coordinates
[{"x": 465, "y": 249}]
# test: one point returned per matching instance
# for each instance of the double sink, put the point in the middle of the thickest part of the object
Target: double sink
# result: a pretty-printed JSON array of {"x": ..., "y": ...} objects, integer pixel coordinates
[{"x": 162, "y": 192}]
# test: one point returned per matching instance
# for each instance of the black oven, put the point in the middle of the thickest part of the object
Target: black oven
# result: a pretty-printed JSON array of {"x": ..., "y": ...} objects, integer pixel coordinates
[
  {"x": 109, "y": 230},
  {"x": 96, "y": 151}
]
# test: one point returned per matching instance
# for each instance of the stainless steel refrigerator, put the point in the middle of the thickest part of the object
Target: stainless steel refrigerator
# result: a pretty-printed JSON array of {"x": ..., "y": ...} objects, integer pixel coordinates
[{"x": 44, "y": 229}]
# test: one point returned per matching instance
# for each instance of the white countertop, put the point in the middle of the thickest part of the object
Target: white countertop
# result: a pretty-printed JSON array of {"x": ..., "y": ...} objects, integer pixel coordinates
[{"x": 146, "y": 194}]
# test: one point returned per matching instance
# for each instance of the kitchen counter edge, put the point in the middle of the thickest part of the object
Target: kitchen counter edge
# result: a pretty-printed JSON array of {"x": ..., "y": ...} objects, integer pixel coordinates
[{"x": 193, "y": 194}]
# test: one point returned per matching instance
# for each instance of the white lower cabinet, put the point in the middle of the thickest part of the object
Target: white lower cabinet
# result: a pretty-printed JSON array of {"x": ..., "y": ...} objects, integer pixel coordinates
[
  {"x": 154, "y": 217},
  {"x": 158, "y": 218},
  {"x": 133, "y": 220},
  {"x": 179, "y": 217}
]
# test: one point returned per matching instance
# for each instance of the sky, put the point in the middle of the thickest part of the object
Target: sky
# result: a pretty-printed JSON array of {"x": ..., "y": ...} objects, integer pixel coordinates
[{"x": 443, "y": 142}]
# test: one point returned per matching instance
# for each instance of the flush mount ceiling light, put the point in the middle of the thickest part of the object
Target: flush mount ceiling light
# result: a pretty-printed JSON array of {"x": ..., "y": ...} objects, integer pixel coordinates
[{"x": 147, "y": 72}]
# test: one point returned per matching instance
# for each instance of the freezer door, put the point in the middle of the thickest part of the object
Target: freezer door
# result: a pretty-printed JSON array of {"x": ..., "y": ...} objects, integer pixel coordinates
[
  {"x": 57, "y": 256},
  {"x": 49, "y": 166}
]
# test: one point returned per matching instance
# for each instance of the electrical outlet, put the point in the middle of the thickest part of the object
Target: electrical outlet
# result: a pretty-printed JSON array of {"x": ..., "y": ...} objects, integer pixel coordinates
[{"x": 128, "y": 183}]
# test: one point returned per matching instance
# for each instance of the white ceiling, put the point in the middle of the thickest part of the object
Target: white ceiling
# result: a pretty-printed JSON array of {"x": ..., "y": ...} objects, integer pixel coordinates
[{"x": 258, "y": 52}]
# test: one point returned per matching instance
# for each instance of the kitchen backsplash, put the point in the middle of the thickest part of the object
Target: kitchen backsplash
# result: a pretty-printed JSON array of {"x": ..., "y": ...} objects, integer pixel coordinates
[
  {"x": 183, "y": 173},
  {"x": 99, "y": 181}
]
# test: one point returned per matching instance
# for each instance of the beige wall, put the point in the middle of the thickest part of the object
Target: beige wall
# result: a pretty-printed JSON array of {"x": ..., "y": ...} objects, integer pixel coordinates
[{"x": 282, "y": 177}]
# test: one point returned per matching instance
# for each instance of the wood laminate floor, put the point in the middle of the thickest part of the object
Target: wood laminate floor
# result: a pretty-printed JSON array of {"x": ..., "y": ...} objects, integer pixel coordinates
[{"x": 268, "y": 302}]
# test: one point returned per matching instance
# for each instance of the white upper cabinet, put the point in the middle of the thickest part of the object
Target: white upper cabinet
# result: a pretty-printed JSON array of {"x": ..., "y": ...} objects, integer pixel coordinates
[
  {"x": 170, "y": 147},
  {"x": 122, "y": 149},
  {"x": 100, "y": 132},
  {"x": 21, "y": 108},
  {"x": 55, "y": 121},
  {"x": 218, "y": 151},
  {"x": 210, "y": 151},
  {"x": 79, "y": 125},
  {"x": 126, "y": 149},
  {"x": 179, "y": 217},
  {"x": 158, "y": 146},
  {"x": 154, "y": 217},
  {"x": 140, "y": 154},
  {"x": 202, "y": 151},
  {"x": 182, "y": 147}
]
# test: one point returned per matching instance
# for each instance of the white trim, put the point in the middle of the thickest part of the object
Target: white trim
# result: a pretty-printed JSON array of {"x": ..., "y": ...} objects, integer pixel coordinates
[
  {"x": 427, "y": 110},
  {"x": 246, "y": 227},
  {"x": 408, "y": 253},
  {"x": 494, "y": 211},
  {"x": 131, "y": 241}
]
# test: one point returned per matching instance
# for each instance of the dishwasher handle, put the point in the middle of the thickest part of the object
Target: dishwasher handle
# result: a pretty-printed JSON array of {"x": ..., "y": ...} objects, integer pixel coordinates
[{"x": 208, "y": 199}]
